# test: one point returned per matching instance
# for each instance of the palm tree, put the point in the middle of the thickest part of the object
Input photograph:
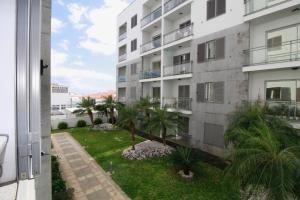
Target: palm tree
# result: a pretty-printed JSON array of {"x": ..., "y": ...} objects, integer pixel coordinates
[
  {"x": 86, "y": 106},
  {"x": 262, "y": 164},
  {"x": 128, "y": 118},
  {"x": 145, "y": 105},
  {"x": 162, "y": 120},
  {"x": 111, "y": 105}
]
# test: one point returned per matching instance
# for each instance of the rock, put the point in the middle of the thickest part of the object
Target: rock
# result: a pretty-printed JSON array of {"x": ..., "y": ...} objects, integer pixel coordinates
[
  {"x": 146, "y": 150},
  {"x": 104, "y": 127},
  {"x": 190, "y": 176}
]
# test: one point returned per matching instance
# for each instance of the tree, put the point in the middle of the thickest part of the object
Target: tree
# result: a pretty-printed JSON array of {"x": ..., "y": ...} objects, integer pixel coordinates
[
  {"x": 86, "y": 106},
  {"x": 261, "y": 163},
  {"x": 128, "y": 118},
  {"x": 145, "y": 105},
  {"x": 111, "y": 105},
  {"x": 162, "y": 120}
]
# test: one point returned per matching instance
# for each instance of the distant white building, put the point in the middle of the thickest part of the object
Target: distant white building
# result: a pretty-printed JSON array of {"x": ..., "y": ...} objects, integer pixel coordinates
[{"x": 61, "y": 98}]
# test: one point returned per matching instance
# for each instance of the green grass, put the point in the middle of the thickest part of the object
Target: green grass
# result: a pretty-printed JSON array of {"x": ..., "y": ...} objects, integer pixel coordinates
[{"x": 152, "y": 179}]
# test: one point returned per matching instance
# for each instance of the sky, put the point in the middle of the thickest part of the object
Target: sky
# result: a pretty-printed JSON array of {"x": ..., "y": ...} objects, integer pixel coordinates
[{"x": 83, "y": 52}]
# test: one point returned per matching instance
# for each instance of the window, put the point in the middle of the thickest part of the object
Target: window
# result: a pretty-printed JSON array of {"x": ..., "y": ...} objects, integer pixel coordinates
[
  {"x": 214, "y": 135},
  {"x": 181, "y": 59},
  {"x": 156, "y": 93},
  {"x": 215, "y": 8},
  {"x": 184, "y": 125},
  {"x": 133, "y": 93},
  {"x": 63, "y": 107},
  {"x": 210, "y": 92},
  {"x": 282, "y": 91},
  {"x": 184, "y": 101},
  {"x": 133, "y": 21},
  {"x": 274, "y": 43},
  {"x": 211, "y": 50},
  {"x": 133, "y": 68},
  {"x": 185, "y": 24},
  {"x": 133, "y": 45},
  {"x": 55, "y": 107}
]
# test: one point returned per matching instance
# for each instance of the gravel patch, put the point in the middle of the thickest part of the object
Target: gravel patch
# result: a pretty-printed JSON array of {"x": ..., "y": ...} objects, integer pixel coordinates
[
  {"x": 104, "y": 127},
  {"x": 146, "y": 150}
]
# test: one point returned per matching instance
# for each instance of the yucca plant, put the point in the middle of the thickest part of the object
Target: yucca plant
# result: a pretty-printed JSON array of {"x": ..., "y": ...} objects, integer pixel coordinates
[
  {"x": 184, "y": 159},
  {"x": 262, "y": 164},
  {"x": 86, "y": 106},
  {"x": 128, "y": 118}
]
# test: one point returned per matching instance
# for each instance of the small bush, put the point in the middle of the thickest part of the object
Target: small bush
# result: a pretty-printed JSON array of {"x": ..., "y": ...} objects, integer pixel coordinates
[
  {"x": 184, "y": 159},
  {"x": 98, "y": 121},
  {"x": 81, "y": 123},
  {"x": 62, "y": 125}
]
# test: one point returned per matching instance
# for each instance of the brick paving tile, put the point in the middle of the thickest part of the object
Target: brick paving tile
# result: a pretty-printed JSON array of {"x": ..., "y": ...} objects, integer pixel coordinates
[{"x": 81, "y": 171}]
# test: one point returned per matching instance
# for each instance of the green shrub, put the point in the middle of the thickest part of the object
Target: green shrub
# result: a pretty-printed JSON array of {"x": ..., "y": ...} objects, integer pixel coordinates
[
  {"x": 184, "y": 159},
  {"x": 62, "y": 125},
  {"x": 98, "y": 121},
  {"x": 81, "y": 123}
]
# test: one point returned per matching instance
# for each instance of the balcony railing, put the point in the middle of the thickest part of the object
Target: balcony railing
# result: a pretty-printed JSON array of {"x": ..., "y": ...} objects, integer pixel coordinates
[
  {"x": 185, "y": 68},
  {"x": 151, "y": 45},
  {"x": 284, "y": 109},
  {"x": 252, "y": 6},
  {"x": 122, "y": 57},
  {"x": 122, "y": 78},
  {"x": 122, "y": 99},
  {"x": 122, "y": 36},
  {"x": 170, "y": 5},
  {"x": 151, "y": 17},
  {"x": 149, "y": 74},
  {"x": 182, "y": 103},
  {"x": 178, "y": 34},
  {"x": 287, "y": 51}
]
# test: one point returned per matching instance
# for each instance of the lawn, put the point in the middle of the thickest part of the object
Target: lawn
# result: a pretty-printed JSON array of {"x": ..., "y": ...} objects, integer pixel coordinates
[{"x": 154, "y": 179}]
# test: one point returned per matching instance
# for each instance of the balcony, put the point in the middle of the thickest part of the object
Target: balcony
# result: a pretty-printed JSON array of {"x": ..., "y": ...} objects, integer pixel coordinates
[
  {"x": 122, "y": 36},
  {"x": 122, "y": 57},
  {"x": 151, "y": 45},
  {"x": 289, "y": 110},
  {"x": 252, "y": 6},
  {"x": 288, "y": 52},
  {"x": 170, "y": 5},
  {"x": 151, "y": 17},
  {"x": 185, "y": 68},
  {"x": 149, "y": 74},
  {"x": 181, "y": 103},
  {"x": 122, "y": 79},
  {"x": 178, "y": 34}
]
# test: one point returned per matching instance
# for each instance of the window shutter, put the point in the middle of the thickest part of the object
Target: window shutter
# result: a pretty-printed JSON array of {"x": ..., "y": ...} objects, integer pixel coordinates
[
  {"x": 221, "y": 7},
  {"x": 214, "y": 135},
  {"x": 200, "y": 92},
  {"x": 201, "y": 53},
  {"x": 219, "y": 92},
  {"x": 211, "y": 4},
  {"x": 220, "y": 48},
  {"x": 176, "y": 60}
]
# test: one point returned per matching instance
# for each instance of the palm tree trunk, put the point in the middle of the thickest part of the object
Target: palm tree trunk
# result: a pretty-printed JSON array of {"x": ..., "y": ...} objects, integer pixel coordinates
[
  {"x": 150, "y": 132},
  {"x": 112, "y": 115},
  {"x": 133, "y": 132},
  {"x": 164, "y": 133},
  {"x": 90, "y": 114}
]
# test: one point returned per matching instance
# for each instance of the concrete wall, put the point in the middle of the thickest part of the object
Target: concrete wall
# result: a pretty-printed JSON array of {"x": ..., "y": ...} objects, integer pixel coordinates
[
  {"x": 43, "y": 182},
  {"x": 72, "y": 122},
  {"x": 228, "y": 70},
  {"x": 8, "y": 85}
]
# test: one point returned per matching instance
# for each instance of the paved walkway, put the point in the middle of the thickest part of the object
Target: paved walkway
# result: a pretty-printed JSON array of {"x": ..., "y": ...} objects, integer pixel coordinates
[{"x": 82, "y": 172}]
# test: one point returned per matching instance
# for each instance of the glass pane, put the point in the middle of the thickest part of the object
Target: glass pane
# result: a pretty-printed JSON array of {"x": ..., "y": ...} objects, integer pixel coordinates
[
  {"x": 281, "y": 91},
  {"x": 298, "y": 92}
]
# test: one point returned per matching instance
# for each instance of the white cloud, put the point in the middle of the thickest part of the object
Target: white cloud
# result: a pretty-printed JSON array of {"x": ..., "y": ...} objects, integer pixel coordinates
[
  {"x": 77, "y": 15},
  {"x": 79, "y": 80},
  {"x": 64, "y": 44},
  {"x": 56, "y": 25},
  {"x": 60, "y": 2},
  {"x": 101, "y": 35}
]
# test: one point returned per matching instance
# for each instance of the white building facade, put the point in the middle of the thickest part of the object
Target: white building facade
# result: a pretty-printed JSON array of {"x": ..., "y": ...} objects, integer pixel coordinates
[{"x": 203, "y": 58}]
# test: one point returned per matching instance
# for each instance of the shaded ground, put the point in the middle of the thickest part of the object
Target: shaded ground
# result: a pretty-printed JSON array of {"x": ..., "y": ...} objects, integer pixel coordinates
[{"x": 152, "y": 179}]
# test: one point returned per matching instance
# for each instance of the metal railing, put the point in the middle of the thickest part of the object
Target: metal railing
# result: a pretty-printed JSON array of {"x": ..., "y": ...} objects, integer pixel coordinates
[
  {"x": 178, "y": 34},
  {"x": 149, "y": 74},
  {"x": 170, "y": 5},
  {"x": 122, "y": 78},
  {"x": 122, "y": 57},
  {"x": 287, "y": 51},
  {"x": 252, "y": 6},
  {"x": 151, "y": 45},
  {"x": 151, "y": 17},
  {"x": 182, "y": 103},
  {"x": 283, "y": 109},
  {"x": 122, "y": 36},
  {"x": 185, "y": 68}
]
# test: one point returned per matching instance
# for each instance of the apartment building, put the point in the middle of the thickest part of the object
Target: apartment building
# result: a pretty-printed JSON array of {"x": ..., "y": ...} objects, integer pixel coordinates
[
  {"x": 25, "y": 143},
  {"x": 203, "y": 58}
]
